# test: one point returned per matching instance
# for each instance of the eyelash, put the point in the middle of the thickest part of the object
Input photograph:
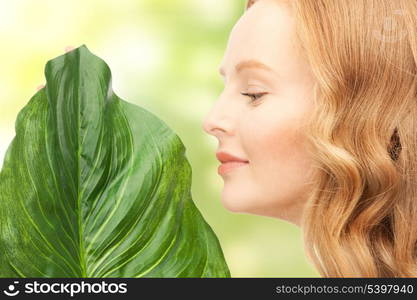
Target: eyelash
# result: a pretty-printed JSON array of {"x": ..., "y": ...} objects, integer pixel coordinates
[{"x": 254, "y": 97}]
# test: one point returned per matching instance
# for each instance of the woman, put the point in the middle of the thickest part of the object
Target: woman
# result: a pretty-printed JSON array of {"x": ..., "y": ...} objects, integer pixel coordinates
[{"x": 317, "y": 125}]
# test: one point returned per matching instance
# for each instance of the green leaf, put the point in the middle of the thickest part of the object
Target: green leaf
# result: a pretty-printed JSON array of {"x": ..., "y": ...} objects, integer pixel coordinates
[{"x": 93, "y": 186}]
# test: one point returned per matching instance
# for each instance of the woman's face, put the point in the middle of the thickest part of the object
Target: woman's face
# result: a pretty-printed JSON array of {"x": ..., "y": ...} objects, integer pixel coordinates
[{"x": 267, "y": 132}]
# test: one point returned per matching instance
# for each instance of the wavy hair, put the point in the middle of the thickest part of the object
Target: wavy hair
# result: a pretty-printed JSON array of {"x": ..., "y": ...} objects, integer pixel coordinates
[{"x": 360, "y": 219}]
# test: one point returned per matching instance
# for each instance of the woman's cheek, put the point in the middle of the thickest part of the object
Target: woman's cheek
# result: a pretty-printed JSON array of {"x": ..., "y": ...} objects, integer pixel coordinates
[{"x": 273, "y": 134}]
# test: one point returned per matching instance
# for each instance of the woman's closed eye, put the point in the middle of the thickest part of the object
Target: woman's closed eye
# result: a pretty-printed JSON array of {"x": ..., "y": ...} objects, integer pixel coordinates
[{"x": 254, "y": 96}]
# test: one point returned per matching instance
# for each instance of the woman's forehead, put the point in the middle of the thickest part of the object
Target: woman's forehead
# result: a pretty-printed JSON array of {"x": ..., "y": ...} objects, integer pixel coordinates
[{"x": 265, "y": 34}]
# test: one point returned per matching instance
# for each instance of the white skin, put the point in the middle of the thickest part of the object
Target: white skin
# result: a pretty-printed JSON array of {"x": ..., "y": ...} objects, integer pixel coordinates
[{"x": 268, "y": 132}]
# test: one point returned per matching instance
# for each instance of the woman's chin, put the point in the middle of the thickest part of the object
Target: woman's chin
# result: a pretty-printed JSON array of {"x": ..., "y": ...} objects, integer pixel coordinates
[
  {"x": 237, "y": 204},
  {"x": 232, "y": 207}
]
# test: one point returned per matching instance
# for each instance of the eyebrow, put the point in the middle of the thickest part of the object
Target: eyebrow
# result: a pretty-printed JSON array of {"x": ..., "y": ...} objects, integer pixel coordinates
[{"x": 249, "y": 64}]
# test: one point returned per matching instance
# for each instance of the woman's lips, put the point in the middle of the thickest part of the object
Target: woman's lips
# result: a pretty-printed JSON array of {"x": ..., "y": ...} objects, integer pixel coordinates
[{"x": 230, "y": 165}]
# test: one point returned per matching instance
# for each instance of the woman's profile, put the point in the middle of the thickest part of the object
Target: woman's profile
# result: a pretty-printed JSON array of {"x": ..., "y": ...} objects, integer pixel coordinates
[{"x": 317, "y": 126}]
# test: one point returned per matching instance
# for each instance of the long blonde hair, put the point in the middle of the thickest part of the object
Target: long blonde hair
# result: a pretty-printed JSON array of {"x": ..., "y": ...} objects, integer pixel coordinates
[{"x": 360, "y": 219}]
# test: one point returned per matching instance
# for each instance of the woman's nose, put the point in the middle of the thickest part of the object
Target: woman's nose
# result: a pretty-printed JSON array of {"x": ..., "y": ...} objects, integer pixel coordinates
[
  {"x": 214, "y": 121},
  {"x": 208, "y": 124},
  {"x": 221, "y": 118}
]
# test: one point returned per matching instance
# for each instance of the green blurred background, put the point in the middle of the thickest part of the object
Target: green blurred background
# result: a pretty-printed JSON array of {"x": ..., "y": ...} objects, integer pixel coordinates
[{"x": 164, "y": 56}]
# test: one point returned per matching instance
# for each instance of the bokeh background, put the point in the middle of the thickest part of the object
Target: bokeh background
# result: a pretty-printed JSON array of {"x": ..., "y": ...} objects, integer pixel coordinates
[{"x": 164, "y": 56}]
